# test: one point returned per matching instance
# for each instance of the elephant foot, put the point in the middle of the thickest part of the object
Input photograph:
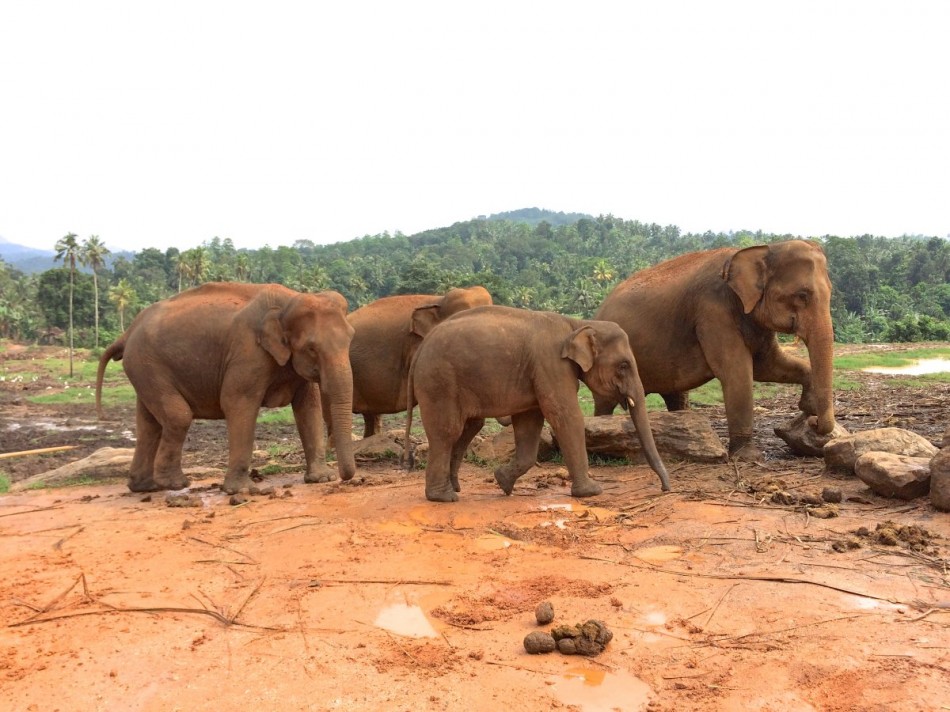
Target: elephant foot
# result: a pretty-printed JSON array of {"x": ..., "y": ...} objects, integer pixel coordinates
[
  {"x": 320, "y": 474},
  {"x": 455, "y": 482},
  {"x": 743, "y": 450},
  {"x": 143, "y": 485},
  {"x": 585, "y": 487},
  {"x": 441, "y": 495},
  {"x": 506, "y": 478},
  {"x": 235, "y": 483}
]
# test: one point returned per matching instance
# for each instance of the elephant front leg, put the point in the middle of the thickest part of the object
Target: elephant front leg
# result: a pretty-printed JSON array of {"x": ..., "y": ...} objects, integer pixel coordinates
[
  {"x": 241, "y": 421},
  {"x": 308, "y": 415},
  {"x": 569, "y": 430},
  {"x": 527, "y": 431},
  {"x": 737, "y": 398}
]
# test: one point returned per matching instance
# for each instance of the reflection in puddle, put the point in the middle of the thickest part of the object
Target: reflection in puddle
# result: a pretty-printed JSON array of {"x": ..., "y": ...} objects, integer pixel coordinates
[
  {"x": 918, "y": 368},
  {"x": 594, "y": 690},
  {"x": 568, "y": 507},
  {"x": 654, "y": 618},
  {"x": 493, "y": 542},
  {"x": 403, "y": 619}
]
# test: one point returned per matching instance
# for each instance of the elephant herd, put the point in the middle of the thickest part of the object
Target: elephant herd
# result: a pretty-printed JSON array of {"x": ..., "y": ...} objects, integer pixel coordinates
[{"x": 224, "y": 350}]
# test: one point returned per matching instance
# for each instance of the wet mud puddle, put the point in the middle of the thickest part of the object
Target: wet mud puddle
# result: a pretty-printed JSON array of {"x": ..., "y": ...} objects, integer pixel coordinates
[{"x": 596, "y": 690}]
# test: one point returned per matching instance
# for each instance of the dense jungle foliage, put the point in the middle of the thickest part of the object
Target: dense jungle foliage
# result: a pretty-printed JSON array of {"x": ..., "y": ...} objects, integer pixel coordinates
[{"x": 885, "y": 289}]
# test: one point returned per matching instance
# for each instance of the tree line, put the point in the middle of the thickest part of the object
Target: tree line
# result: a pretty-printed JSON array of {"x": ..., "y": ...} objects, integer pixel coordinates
[{"x": 885, "y": 289}]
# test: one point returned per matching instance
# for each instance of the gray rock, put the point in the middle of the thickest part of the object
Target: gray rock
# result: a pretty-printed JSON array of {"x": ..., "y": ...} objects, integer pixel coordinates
[
  {"x": 842, "y": 453},
  {"x": 379, "y": 447},
  {"x": 891, "y": 475},
  {"x": 940, "y": 480},
  {"x": 683, "y": 435},
  {"x": 802, "y": 439},
  {"x": 501, "y": 446}
]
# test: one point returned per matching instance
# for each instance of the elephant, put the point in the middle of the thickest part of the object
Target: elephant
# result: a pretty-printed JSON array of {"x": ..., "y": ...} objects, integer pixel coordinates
[
  {"x": 715, "y": 314},
  {"x": 388, "y": 332},
  {"x": 495, "y": 361},
  {"x": 224, "y": 350}
]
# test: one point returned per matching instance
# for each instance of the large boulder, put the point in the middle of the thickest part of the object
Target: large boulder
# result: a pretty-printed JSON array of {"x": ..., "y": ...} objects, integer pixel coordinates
[
  {"x": 682, "y": 434},
  {"x": 501, "y": 446},
  {"x": 841, "y": 453},
  {"x": 890, "y": 475},
  {"x": 803, "y": 440},
  {"x": 940, "y": 480}
]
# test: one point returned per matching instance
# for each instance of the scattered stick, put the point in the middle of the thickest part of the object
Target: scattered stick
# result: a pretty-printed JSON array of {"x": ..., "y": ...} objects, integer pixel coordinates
[
  {"x": 37, "y": 451},
  {"x": 716, "y": 607},
  {"x": 225, "y": 620},
  {"x": 31, "y": 511},
  {"x": 389, "y": 582},
  {"x": 59, "y": 545}
]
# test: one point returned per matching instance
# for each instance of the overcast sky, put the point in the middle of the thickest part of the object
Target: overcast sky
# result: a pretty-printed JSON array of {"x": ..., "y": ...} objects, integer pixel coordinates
[{"x": 168, "y": 123}]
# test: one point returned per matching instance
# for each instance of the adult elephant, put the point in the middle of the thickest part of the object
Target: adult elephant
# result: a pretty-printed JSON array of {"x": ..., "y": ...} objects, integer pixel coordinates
[
  {"x": 715, "y": 314},
  {"x": 224, "y": 350},
  {"x": 387, "y": 334},
  {"x": 495, "y": 361}
]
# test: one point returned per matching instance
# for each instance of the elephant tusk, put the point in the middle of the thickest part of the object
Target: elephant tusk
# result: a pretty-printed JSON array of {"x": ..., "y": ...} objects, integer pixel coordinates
[{"x": 631, "y": 403}]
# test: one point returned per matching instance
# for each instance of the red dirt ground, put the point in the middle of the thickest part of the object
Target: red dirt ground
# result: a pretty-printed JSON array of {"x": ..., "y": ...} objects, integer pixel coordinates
[{"x": 364, "y": 596}]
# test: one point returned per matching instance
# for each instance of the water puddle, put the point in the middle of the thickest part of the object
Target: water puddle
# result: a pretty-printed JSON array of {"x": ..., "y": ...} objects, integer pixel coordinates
[
  {"x": 595, "y": 690},
  {"x": 406, "y": 620},
  {"x": 566, "y": 507},
  {"x": 654, "y": 618},
  {"x": 494, "y": 542},
  {"x": 52, "y": 426},
  {"x": 921, "y": 367}
]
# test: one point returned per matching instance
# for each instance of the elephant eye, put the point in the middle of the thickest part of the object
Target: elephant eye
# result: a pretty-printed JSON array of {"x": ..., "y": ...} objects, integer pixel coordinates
[
  {"x": 623, "y": 366},
  {"x": 803, "y": 295}
]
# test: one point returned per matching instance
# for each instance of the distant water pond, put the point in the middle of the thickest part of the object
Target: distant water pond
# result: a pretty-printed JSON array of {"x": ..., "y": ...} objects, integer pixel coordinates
[{"x": 919, "y": 368}]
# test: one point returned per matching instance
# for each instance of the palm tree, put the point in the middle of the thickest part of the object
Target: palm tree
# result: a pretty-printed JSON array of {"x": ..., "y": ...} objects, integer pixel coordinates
[
  {"x": 242, "y": 267},
  {"x": 122, "y": 295},
  {"x": 67, "y": 249},
  {"x": 199, "y": 263},
  {"x": 182, "y": 268},
  {"x": 93, "y": 255}
]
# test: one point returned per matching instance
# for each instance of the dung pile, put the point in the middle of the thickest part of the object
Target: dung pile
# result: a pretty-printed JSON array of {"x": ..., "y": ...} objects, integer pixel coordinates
[{"x": 589, "y": 638}]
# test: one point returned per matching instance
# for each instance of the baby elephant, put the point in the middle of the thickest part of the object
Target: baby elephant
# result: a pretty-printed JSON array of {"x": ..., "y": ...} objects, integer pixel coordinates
[{"x": 495, "y": 361}]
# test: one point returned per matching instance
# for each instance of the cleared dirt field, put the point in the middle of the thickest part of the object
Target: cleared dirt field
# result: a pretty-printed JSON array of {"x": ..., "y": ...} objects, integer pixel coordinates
[{"x": 730, "y": 592}]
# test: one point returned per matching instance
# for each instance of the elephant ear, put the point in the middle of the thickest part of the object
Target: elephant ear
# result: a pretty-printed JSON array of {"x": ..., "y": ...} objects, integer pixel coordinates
[
  {"x": 271, "y": 337},
  {"x": 745, "y": 273},
  {"x": 581, "y": 347},
  {"x": 424, "y": 319}
]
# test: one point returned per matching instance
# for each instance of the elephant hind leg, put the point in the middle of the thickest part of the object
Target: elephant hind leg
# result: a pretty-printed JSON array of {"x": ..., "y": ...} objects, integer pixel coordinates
[
  {"x": 148, "y": 434},
  {"x": 527, "y": 430},
  {"x": 472, "y": 428},
  {"x": 372, "y": 424},
  {"x": 676, "y": 401},
  {"x": 176, "y": 419}
]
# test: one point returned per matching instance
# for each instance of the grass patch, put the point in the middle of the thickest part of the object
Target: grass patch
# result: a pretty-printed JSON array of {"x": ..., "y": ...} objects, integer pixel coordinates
[
  {"x": 4, "y": 483},
  {"x": 276, "y": 416},
  {"x": 112, "y": 396},
  {"x": 888, "y": 359}
]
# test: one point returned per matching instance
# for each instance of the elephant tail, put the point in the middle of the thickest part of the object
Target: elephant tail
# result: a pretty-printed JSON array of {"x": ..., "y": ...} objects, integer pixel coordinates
[
  {"x": 114, "y": 352},
  {"x": 408, "y": 455}
]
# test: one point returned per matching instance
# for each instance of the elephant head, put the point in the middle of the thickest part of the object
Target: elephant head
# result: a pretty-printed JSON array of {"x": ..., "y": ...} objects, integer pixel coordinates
[
  {"x": 312, "y": 333},
  {"x": 454, "y": 301},
  {"x": 601, "y": 349},
  {"x": 785, "y": 287}
]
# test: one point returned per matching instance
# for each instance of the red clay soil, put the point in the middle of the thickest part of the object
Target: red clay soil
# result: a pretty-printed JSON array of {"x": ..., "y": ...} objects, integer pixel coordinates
[{"x": 731, "y": 592}]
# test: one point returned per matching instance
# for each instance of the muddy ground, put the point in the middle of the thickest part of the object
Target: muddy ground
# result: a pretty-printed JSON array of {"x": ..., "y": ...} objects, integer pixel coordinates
[{"x": 364, "y": 596}]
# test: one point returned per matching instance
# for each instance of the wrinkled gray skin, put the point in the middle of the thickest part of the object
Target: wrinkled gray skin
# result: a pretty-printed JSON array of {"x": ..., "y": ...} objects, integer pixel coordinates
[
  {"x": 495, "y": 361},
  {"x": 224, "y": 350},
  {"x": 388, "y": 332},
  {"x": 715, "y": 314}
]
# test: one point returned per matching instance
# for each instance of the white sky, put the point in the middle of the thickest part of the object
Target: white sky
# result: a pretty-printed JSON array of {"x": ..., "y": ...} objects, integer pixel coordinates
[{"x": 167, "y": 123}]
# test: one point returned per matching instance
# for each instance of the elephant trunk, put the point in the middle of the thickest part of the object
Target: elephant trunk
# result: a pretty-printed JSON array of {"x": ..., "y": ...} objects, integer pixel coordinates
[
  {"x": 820, "y": 344},
  {"x": 338, "y": 389},
  {"x": 638, "y": 414}
]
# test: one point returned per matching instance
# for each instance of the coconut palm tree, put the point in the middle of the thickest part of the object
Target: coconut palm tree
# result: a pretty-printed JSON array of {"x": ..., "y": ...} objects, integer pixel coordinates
[
  {"x": 67, "y": 250},
  {"x": 123, "y": 296},
  {"x": 93, "y": 254}
]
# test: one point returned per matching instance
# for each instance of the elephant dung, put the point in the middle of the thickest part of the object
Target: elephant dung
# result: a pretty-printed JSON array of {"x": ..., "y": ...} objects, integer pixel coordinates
[
  {"x": 684, "y": 434},
  {"x": 803, "y": 440},
  {"x": 940, "y": 480},
  {"x": 539, "y": 642},
  {"x": 501, "y": 446},
  {"x": 588, "y": 638},
  {"x": 842, "y": 453},
  {"x": 891, "y": 475}
]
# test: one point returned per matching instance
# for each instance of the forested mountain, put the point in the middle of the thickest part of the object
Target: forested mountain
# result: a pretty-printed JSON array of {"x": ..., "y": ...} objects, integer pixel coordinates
[{"x": 885, "y": 289}]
